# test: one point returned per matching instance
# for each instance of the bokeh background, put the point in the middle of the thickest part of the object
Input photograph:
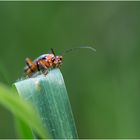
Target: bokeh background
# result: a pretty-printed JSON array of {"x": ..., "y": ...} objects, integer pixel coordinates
[{"x": 103, "y": 87}]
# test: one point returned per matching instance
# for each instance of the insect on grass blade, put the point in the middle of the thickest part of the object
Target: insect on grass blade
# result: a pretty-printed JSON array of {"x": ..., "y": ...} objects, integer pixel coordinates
[{"x": 49, "y": 97}]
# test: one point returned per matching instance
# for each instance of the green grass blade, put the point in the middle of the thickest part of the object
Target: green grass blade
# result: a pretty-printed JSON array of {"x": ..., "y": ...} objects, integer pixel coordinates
[
  {"x": 23, "y": 130},
  {"x": 21, "y": 109},
  {"x": 49, "y": 96}
]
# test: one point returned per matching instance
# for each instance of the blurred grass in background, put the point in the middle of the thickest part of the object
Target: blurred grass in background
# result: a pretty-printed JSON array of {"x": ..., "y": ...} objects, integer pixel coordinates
[{"x": 104, "y": 88}]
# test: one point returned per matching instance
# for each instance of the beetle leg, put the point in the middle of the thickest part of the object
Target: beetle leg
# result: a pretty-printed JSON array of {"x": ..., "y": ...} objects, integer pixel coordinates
[
  {"x": 29, "y": 62},
  {"x": 31, "y": 65},
  {"x": 30, "y": 68},
  {"x": 42, "y": 67}
]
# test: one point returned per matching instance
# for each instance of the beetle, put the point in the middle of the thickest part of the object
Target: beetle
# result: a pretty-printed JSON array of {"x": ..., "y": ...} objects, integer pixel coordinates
[
  {"x": 42, "y": 64},
  {"x": 46, "y": 61}
]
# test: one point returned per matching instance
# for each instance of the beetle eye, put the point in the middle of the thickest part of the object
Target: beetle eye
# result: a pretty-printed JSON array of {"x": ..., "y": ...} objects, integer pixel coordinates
[{"x": 60, "y": 57}]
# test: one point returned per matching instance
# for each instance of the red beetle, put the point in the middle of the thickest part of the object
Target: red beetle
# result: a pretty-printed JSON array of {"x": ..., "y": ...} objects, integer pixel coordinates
[{"x": 46, "y": 61}]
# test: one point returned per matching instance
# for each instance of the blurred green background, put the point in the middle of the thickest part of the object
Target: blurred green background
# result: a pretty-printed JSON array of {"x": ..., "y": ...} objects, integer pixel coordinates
[{"x": 104, "y": 87}]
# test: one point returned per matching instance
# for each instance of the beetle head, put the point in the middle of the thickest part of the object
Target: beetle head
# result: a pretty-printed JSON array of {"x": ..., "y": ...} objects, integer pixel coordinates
[{"x": 57, "y": 60}]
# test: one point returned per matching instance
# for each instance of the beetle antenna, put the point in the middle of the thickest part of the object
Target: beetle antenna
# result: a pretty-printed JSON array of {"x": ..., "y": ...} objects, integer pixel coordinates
[
  {"x": 81, "y": 47},
  {"x": 52, "y": 50}
]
